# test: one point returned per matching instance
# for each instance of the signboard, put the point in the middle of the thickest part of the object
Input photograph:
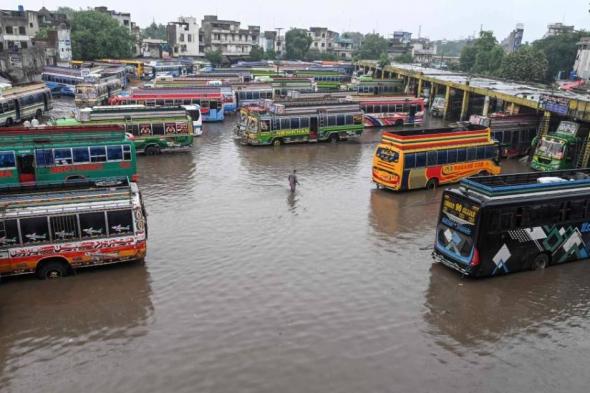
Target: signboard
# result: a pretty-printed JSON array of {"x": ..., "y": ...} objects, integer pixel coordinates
[
  {"x": 555, "y": 104},
  {"x": 480, "y": 120},
  {"x": 463, "y": 210},
  {"x": 568, "y": 127}
]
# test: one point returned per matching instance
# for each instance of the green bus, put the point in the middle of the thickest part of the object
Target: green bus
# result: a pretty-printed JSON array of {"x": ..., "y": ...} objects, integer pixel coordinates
[
  {"x": 561, "y": 149},
  {"x": 52, "y": 155},
  {"x": 297, "y": 122},
  {"x": 326, "y": 80},
  {"x": 154, "y": 129}
]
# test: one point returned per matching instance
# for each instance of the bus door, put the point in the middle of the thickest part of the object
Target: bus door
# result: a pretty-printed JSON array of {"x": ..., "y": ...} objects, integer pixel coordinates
[
  {"x": 26, "y": 169},
  {"x": 313, "y": 128},
  {"x": 17, "y": 111}
]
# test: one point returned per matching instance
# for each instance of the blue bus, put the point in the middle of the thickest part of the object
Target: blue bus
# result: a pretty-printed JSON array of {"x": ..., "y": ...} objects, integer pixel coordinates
[{"x": 62, "y": 80}]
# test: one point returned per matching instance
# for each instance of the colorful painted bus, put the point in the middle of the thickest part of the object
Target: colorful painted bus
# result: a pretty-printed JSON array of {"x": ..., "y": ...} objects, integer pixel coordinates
[
  {"x": 407, "y": 160},
  {"x": 96, "y": 93},
  {"x": 52, "y": 231},
  {"x": 210, "y": 103},
  {"x": 62, "y": 80},
  {"x": 61, "y": 154},
  {"x": 326, "y": 80},
  {"x": 211, "y": 85},
  {"x": 20, "y": 103},
  {"x": 497, "y": 225},
  {"x": 154, "y": 129},
  {"x": 303, "y": 122},
  {"x": 137, "y": 66},
  {"x": 252, "y": 93},
  {"x": 562, "y": 148},
  {"x": 391, "y": 111},
  {"x": 377, "y": 87}
]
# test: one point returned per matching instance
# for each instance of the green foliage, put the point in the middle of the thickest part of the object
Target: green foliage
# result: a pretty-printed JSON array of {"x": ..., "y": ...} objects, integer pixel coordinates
[
  {"x": 297, "y": 44},
  {"x": 96, "y": 35},
  {"x": 156, "y": 31},
  {"x": 405, "y": 58},
  {"x": 482, "y": 56},
  {"x": 560, "y": 52},
  {"x": 270, "y": 54},
  {"x": 256, "y": 53},
  {"x": 69, "y": 12},
  {"x": 384, "y": 60},
  {"x": 356, "y": 37},
  {"x": 42, "y": 33},
  {"x": 527, "y": 64},
  {"x": 314, "y": 54},
  {"x": 450, "y": 48},
  {"x": 215, "y": 57},
  {"x": 372, "y": 47}
]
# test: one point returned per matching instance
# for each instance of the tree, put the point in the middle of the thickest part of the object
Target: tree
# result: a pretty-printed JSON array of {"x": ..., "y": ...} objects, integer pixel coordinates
[
  {"x": 314, "y": 54},
  {"x": 560, "y": 52},
  {"x": 527, "y": 64},
  {"x": 297, "y": 44},
  {"x": 405, "y": 58},
  {"x": 68, "y": 11},
  {"x": 256, "y": 53},
  {"x": 270, "y": 54},
  {"x": 215, "y": 57},
  {"x": 482, "y": 56},
  {"x": 372, "y": 47},
  {"x": 384, "y": 60},
  {"x": 96, "y": 35},
  {"x": 356, "y": 37},
  {"x": 157, "y": 31}
]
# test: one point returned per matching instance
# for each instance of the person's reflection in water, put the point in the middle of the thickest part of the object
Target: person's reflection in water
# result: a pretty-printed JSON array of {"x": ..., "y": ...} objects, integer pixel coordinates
[{"x": 292, "y": 202}]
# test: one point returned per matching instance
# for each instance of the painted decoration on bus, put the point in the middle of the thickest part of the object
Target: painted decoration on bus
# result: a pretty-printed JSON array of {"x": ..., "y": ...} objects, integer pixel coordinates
[
  {"x": 182, "y": 128},
  {"x": 145, "y": 129},
  {"x": 463, "y": 210},
  {"x": 84, "y": 246}
]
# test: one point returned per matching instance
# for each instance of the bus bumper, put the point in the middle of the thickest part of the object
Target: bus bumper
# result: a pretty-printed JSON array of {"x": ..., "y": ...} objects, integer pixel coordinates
[{"x": 437, "y": 257}]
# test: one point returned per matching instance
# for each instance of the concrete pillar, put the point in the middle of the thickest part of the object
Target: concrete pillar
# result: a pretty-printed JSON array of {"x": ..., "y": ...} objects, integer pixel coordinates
[
  {"x": 464, "y": 106},
  {"x": 486, "y": 106},
  {"x": 447, "y": 102},
  {"x": 545, "y": 123},
  {"x": 419, "y": 90},
  {"x": 511, "y": 110}
]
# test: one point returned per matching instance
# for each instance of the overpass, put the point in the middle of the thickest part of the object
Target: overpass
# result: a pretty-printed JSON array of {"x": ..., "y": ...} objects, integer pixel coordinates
[{"x": 512, "y": 97}]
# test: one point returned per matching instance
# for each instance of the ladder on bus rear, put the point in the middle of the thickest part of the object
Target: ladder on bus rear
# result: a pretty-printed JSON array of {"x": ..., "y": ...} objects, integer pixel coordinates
[{"x": 584, "y": 154}]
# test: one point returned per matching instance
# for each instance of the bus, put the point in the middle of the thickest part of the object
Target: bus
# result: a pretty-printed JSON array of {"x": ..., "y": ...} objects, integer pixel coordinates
[
  {"x": 377, "y": 87},
  {"x": 24, "y": 102},
  {"x": 154, "y": 129},
  {"x": 170, "y": 69},
  {"x": 91, "y": 94},
  {"x": 210, "y": 102},
  {"x": 50, "y": 231},
  {"x": 62, "y": 154},
  {"x": 326, "y": 80},
  {"x": 62, "y": 80},
  {"x": 213, "y": 85},
  {"x": 303, "y": 122},
  {"x": 562, "y": 148},
  {"x": 514, "y": 132},
  {"x": 391, "y": 111},
  {"x": 252, "y": 93},
  {"x": 282, "y": 86},
  {"x": 497, "y": 225},
  {"x": 427, "y": 158},
  {"x": 138, "y": 66}
]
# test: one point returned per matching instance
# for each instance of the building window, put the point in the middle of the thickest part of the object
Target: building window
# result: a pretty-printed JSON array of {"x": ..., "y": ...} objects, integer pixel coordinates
[
  {"x": 323, "y": 45},
  {"x": 31, "y": 24},
  {"x": 126, "y": 22},
  {"x": 8, "y": 29},
  {"x": 23, "y": 45},
  {"x": 189, "y": 38},
  {"x": 181, "y": 38},
  {"x": 21, "y": 30}
]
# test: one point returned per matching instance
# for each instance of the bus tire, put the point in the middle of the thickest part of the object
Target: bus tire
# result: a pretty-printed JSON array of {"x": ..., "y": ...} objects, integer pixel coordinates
[
  {"x": 277, "y": 142},
  {"x": 432, "y": 184},
  {"x": 334, "y": 138},
  {"x": 74, "y": 178},
  {"x": 52, "y": 268},
  {"x": 9, "y": 121},
  {"x": 483, "y": 173},
  {"x": 540, "y": 262},
  {"x": 38, "y": 114},
  {"x": 152, "y": 150},
  {"x": 399, "y": 123}
]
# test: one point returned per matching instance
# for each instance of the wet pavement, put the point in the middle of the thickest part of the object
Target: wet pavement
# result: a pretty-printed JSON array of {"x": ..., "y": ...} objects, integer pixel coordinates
[{"x": 248, "y": 288}]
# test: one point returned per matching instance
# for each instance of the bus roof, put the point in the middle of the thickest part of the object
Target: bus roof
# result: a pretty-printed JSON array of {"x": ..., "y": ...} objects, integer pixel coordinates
[
  {"x": 179, "y": 92},
  {"x": 23, "y": 89},
  {"x": 520, "y": 184},
  {"x": 437, "y": 137},
  {"x": 56, "y": 134},
  {"x": 385, "y": 99}
]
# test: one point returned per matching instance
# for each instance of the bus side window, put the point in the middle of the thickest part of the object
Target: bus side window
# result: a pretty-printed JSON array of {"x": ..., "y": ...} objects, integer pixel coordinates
[
  {"x": 461, "y": 155},
  {"x": 285, "y": 124},
  {"x": 331, "y": 120},
  {"x": 120, "y": 222},
  {"x": 305, "y": 122},
  {"x": 481, "y": 150},
  {"x": 295, "y": 123},
  {"x": 34, "y": 230},
  {"x": 213, "y": 105},
  {"x": 92, "y": 225},
  {"x": 64, "y": 227},
  {"x": 7, "y": 159},
  {"x": 98, "y": 154},
  {"x": 62, "y": 156},
  {"x": 471, "y": 154},
  {"x": 452, "y": 156},
  {"x": 126, "y": 152},
  {"x": 340, "y": 120},
  {"x": 432, "y": 158},
  {"x": 409, "y": 161},
  {"x": 81, "y": 154},
  {"x": 442, "y": 157},
  {"x": 10, "y": 237},
  {"x": 158, "y": 129},
  {"x": 420, "y": 160},
  {"x": 44, "y": 157}
]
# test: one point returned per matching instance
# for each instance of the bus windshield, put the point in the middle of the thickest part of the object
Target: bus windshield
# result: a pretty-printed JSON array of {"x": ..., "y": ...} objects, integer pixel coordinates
[
  {"x": 387, "y": 155},
  {"x": 456, "y": 229},
  {"x": 551, "y": 148},
  {"x": 252, "y": 124}
]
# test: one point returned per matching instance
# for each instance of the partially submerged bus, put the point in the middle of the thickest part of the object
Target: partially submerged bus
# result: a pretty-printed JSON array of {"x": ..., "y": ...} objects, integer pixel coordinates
[
  {"x": 407, "y": 160},
  {"x": 154, "y": 129},
  {"x": 24, "y": 102},
  {"x": 252, "y": 93},
  {"x": 503, "y": 224},
  {"x": 51, "y": 231},
  {"x": 377, "y": 87},
  {"x": 303, "y": 122},
  {"x": 98, "y": 92},
  {"x": 61, "y": 154},
  {"x": 391, "y": 111},
  {"x": 514, "y": 132},
  {"x": 562, "y": 148},
  {"x": 62, "y": 80},
  {"x": 209, "y": 102},
  {"x": 195, "y": 82}
]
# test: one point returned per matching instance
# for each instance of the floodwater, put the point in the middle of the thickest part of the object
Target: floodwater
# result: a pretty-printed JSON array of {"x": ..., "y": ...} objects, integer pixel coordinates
[{"x": 247, "y": 288}]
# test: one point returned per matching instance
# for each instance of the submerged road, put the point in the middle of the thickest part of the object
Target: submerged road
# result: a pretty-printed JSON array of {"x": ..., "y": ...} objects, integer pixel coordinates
[{"x": 249, "y": 288}]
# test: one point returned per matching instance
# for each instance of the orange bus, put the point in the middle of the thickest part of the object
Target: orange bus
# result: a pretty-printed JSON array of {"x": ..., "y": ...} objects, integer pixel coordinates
[{"x": 427, "y": 158}]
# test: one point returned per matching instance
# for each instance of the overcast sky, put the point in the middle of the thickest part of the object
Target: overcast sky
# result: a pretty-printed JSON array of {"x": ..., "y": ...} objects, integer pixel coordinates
[{"x": 439, "y": 19}]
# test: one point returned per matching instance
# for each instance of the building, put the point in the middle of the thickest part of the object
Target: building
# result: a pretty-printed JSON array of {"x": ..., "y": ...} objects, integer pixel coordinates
[
  {"x": 582, "y": 64},
  {"x": 423, "y": 51},
  {"x": 183, "y": 37},
  {"x": 271, "y": 40},
  {"x": 124, "y": 18},
  {"x": 323, "y": 39},
  {"x": 400, "y": 44},
  {"x": 154, "y": 48},
  {"x": 343, "y": 48},
  {"x": 514, "y": 39},
  {"x": 557, "y": 29},
  {"x": 228, "y": 37}
]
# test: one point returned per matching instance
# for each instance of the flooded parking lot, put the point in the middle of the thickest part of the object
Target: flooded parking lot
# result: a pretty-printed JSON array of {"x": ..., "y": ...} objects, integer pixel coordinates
[{"x": 248, "y": 288}]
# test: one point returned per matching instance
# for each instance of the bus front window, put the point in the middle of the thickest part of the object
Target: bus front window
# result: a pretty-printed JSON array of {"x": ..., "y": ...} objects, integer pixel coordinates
[
  {"x": 387, "y": 155},
  {"x": 252, "y": 125},
  {"x": 551, "y": 149}
]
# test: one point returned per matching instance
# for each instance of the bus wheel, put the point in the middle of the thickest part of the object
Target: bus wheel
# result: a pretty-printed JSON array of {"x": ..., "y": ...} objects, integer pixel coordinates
[
  {"x": 277, "y": 142},
  {"x": 38, "y": 114},
  {"x": 334, "y": 138},
  {"x": 52, "y": 269},
  {"x": 483, "y": 173},
  {"x": 432, "y": 184},
  {"x": 9, "y": 121},
  {"x": 540, "y": 262},
  {"x": 152, "y": 151}
]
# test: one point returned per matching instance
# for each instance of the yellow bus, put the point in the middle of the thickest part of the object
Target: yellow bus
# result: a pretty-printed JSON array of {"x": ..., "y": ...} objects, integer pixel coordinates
[
  {"x": 138, "y": 66},
  {"x": 427, "y": 158}
]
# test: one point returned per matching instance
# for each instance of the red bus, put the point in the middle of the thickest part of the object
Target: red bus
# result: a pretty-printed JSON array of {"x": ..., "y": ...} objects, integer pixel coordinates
[
  {"x": 391, "y": 111},
  {"x": 211, "y": 102}
]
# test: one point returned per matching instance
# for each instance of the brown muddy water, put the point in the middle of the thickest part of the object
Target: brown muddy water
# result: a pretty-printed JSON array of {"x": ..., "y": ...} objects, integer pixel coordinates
[{"x": 247, "y": 288}]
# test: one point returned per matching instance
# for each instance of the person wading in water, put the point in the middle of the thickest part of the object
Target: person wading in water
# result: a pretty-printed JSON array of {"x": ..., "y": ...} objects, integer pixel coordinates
[{"x": 293, "y": 180}]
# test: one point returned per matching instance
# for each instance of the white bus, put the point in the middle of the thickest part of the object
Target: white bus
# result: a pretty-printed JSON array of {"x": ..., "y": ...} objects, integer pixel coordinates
[{"x": 24, "y": 102}]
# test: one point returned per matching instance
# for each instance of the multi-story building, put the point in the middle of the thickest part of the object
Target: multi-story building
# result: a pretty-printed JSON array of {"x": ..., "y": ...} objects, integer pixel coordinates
[
  {"x": 226, "y": 36},
  {"x": 582, "y": 64},
  {"x": 271, "y": 40},
  {"x": 124, "y": 18},
  {"x": 514, "y": 39},
  {"x": 343, "y": 48},
  {"x": 154, "y": 48},
  {"x": 423, "y": 51},
  {"x": 183, "y": 37},
  {"x": 557, "y": 29},
  {"x": 323, "y": 39},
  {"x": 400, "y": 44}
]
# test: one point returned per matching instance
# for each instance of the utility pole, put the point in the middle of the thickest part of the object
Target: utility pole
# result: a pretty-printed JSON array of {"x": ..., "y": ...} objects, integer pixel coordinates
[{"x": 278, "y": 29}]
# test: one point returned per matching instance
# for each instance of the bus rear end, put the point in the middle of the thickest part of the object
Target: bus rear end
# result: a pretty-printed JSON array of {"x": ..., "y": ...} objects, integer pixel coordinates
[
  {"x": 455, "y": 245},
  {"x": 387, "y": 167}
]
